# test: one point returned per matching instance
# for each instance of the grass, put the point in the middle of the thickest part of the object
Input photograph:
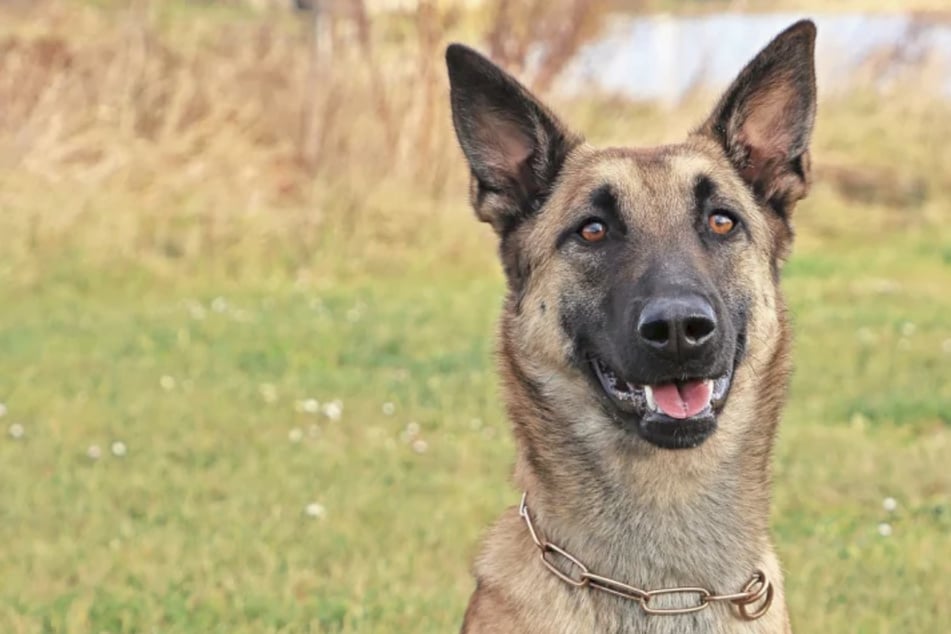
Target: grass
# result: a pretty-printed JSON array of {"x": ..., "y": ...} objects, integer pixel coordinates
[
  {"x": 297, "y": 359},
  {"x": 201, "y": 526}
]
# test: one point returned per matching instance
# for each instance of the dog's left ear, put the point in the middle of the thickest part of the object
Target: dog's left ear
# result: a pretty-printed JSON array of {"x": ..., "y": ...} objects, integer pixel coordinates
[{"x": 764, "y": 120}]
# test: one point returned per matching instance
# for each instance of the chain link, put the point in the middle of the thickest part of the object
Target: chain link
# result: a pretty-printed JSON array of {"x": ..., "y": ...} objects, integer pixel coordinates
[{"x": 751, "y": 603}]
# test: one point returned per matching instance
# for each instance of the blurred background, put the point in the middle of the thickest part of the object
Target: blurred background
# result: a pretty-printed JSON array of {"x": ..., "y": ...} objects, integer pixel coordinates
[{"x": 247, "y": 316}]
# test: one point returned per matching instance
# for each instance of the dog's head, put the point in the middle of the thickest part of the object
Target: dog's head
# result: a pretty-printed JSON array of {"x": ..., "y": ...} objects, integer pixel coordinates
[{"x": 642, "y": 282}]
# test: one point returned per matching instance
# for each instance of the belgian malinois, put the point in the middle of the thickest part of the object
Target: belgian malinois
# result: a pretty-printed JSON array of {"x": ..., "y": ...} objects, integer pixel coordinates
[{"x": 644, "y": 350}]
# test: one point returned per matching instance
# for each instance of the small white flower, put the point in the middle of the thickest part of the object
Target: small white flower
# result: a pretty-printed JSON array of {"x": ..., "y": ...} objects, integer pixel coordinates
[
  {"x": 94, "y": 452},
  {"x": 167, "y": 382},
  {"x": 315, "y": 510},
  {"x": 333, "y": 410},
  {"x": 889, "y": 504},
  {"x": 16, "y": 431},
  {"x": 884, "y": 529},
  {"x": 118, "y": 448},
  {"x": 242, "y": 316},
  {"x": 219, "y": 304},
  {"x": 420, "y": 445},
  {"x": 3, "y": 410},
  {"x": 295, "y": 435},
  {"x": 410, "y": 433},
  {"x": 268, "y": 392},
  {"x": 908, "y": 329},
  {"x": 388, "y": 408},
  {"x": 946, "y": 346},
  {"x": 309, "y": 405}
]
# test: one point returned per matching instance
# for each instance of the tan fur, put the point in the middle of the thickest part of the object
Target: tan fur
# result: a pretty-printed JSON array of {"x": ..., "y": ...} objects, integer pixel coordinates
[
  {"x": 696, "y": 517},
  {"x": 649, "y": 517}
]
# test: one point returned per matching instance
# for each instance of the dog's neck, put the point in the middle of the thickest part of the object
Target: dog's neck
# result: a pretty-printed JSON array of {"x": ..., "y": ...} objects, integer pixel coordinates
[
  {"x": 651, "y": 517},
  {"x": 715, "y": 536}
]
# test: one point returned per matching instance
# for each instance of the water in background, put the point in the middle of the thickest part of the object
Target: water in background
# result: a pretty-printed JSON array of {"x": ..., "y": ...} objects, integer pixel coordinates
[{"x": 663, "y": 56}]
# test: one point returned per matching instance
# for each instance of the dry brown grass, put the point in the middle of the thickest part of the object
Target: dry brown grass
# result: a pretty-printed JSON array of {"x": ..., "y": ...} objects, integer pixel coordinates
[{"x": 151, "y": 132}]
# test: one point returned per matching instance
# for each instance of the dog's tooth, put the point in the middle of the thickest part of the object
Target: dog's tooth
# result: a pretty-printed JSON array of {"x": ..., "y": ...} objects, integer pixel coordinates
[{"x": 649, "y": 395}]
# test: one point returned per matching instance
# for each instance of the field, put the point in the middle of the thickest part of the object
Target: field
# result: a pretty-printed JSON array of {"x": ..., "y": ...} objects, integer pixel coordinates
[{"x": 263, "y": 400}]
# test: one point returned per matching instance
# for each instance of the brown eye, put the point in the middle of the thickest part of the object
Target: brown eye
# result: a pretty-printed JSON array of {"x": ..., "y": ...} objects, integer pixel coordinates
[
  {"x": 594, "y": 231},
  {"x": 720, "y": 223}
]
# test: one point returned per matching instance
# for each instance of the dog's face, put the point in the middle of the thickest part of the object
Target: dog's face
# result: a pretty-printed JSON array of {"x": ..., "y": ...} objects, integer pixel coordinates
[{"x": 642, "y": 282}]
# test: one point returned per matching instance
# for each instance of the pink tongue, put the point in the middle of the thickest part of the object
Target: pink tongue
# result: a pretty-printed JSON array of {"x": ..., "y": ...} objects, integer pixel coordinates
[{"x": 682, "y": 400}]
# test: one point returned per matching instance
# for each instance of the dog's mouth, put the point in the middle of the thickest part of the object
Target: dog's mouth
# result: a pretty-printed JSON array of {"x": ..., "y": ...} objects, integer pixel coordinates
[{"x": 675, "y": 414}]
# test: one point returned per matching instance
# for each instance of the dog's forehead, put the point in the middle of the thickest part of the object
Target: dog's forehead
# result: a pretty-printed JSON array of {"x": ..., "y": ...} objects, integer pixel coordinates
[{"x": 654, "y": 187}]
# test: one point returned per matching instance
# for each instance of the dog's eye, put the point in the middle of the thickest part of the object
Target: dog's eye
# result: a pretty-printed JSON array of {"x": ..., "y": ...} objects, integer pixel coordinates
[
  {"x": 721, "y": 223},
  {"x": 593, "y": 231}
]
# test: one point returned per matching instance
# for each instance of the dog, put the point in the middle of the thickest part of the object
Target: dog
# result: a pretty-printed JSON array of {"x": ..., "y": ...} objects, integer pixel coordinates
[{"x": 644, "y": 348}]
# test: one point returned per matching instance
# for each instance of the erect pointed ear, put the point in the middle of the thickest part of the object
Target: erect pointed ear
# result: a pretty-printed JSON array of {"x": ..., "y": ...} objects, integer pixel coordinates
[
  {"x": 764, "y": 120},
  {"x": 515, "y": 146}
]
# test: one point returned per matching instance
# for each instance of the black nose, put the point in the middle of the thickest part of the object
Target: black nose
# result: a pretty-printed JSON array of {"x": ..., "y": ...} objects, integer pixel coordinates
[{"x": 682, "y": 326}]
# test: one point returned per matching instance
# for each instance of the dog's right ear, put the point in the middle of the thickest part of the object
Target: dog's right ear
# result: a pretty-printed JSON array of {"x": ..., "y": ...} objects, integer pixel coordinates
[{"x": 515, "y": 146}]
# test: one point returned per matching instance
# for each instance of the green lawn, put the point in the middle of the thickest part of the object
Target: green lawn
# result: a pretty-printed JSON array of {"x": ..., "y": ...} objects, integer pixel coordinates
[{"x": 238, "y": 509}]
